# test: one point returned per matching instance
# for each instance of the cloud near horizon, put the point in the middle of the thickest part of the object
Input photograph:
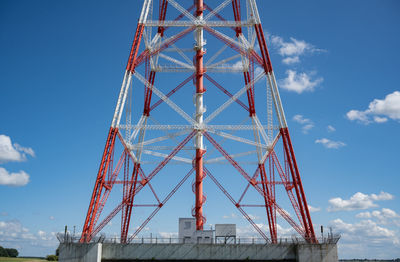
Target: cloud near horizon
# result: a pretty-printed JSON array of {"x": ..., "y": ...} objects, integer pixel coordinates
[{"x": 357, "y": 201}]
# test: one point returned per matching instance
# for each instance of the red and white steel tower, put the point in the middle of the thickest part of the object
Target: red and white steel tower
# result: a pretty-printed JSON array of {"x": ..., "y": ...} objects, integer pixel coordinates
[{"x": 146, "y": 135}]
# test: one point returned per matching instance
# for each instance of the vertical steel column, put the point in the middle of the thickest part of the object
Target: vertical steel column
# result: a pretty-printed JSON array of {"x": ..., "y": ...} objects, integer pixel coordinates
[{"x": 199, "y": 118}]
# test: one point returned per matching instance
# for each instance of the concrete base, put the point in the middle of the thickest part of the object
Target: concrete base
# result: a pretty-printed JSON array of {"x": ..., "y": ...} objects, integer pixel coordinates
[{"x": 72, "y": 252}]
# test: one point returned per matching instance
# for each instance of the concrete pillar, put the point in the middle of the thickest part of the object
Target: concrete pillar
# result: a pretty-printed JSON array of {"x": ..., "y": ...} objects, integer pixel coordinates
[{"x": 317, "y": 253}]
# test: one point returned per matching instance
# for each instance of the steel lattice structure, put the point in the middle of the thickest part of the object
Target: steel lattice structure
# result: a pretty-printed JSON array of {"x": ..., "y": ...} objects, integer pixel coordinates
[{"x": 235, "y": 25}]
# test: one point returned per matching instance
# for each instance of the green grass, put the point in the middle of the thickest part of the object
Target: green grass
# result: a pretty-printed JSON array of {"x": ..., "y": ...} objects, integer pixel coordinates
[{"x": 18, "y": 259}]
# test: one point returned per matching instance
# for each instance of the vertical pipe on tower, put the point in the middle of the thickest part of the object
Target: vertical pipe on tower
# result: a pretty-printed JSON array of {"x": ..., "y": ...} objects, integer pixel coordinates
[{"x": 199, "y": 118}]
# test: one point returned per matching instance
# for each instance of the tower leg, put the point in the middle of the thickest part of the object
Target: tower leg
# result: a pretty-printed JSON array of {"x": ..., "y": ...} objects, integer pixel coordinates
[
  {"x": 199, "y": 119},
  {"x": 98, "y": 187}
]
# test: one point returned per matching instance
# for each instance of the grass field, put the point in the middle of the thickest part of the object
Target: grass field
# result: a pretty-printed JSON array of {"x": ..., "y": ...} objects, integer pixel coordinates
[{"x": 18, "y": 259}]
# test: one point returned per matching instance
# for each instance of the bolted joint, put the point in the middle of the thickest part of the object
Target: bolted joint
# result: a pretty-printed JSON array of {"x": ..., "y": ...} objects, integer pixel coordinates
[{"x": 144, "y": 182}]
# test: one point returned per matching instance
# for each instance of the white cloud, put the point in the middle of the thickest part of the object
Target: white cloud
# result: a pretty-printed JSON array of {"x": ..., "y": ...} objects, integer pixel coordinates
[
  {"x": 306, "y": 123},
  {"x": 51, "y": 218},
  {"x": 330, "y": 143},
  {"x": 293, "y": 49},
  {"x": 379, "y": 110},
  {"x": 366, "y": 239},
  {"x": 330, "y": 128},
  {"x": 13, "y": 179},
  {"x": 10, "y": 152},
  {"x": 364, "y": 229},
  {"x": 291, "y": 60},
  {"x": 238, "y": 66},
  {"x": 384, "y": 216},
  {"x": 14, "y": 235},
  {"x": 232, "y": 215},
  {"x": 26, "y": 150},
  {"x": 364, "y": 215},
  {"x": 299, "y": 82},
  {"x": 357, "y": 201},
  {"x": 313, "y": 209}
]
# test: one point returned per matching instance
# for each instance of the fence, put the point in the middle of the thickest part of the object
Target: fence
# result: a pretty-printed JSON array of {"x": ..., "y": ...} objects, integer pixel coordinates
[{"x": 68, "y": 238}]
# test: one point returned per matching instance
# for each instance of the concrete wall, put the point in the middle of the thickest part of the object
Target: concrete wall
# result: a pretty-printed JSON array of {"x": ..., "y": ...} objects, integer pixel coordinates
[
  {"x": 76, "y": 252},
  {"x": 269, "y": 252},
  {"x": 198, "y": 252}
]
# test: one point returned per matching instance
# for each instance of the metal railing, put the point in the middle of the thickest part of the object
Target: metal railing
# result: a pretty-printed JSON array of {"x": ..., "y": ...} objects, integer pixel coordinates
[{"x": 68, "y": 238}]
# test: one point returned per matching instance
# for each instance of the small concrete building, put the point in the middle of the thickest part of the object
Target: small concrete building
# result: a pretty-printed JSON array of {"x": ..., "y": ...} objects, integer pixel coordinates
[
  {"x": 225, "y": 233},
  {"x": 188, "y": 233}
]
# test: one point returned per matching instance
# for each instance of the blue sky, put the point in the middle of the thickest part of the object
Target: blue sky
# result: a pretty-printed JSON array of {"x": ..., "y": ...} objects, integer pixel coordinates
[{"x": 61, "y": 66}]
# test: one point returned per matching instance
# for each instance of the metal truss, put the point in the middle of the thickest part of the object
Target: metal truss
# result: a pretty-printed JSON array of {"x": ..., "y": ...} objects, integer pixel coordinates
[{"x": 153, "y": 136}]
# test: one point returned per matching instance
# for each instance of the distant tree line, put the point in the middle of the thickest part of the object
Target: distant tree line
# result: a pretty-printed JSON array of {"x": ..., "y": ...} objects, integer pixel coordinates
[{"x": 8, "y": 252}]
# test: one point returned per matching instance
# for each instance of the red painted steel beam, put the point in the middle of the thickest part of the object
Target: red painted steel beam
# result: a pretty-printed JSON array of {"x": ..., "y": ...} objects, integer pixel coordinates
[
  {"x": 129, "y": 203},
  {"x": 135, "y": 48},
  {"x": 149, "y": 92},
  {"x": 263, "y": 48},
  {"x": 236, "y": 15},
  {"x": 304, "y": 211},
  {"x": 269, "y": 204},
  {"x": 99, "y": 185}
]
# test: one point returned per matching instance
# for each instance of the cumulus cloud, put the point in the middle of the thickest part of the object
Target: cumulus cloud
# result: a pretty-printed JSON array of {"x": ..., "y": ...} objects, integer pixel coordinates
[
  {"x": 13, "y": 179},
  {"x": 306, "y": 123},
  {"x": 13, "y": 152},
  {"x": 384, "y": 216},
  {"x": 366, "y": 239},
  {"x": 14, "y": 230},
  {"x": 293, "y": 49},
  {"x": 238, "y": 66},
  {"x": 364, "y": 229},
  {"x": 330, "y": 143},
  {"x": 299, "y": 82},
  {"x": 313, "y": 209},
  {"x": 330, "y": 128},
  {"x": 379, "y": 110},
  {"x": 291, "y": 60},
  {"x": 357, "y": 201},
  {"x": 14, "y": 234}
]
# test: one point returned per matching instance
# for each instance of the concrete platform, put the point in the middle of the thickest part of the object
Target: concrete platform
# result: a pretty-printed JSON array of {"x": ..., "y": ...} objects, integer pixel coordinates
[{"x": 115, "y": 252}]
